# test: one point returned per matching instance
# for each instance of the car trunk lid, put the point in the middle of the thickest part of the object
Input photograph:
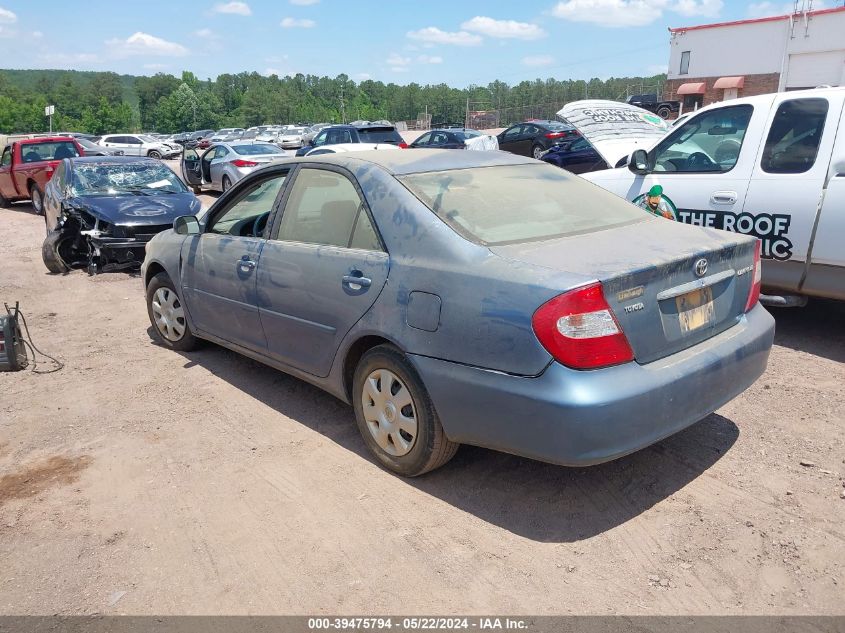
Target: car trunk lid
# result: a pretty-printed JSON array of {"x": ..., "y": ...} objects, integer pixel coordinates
[{"x": 670, "y": 286}]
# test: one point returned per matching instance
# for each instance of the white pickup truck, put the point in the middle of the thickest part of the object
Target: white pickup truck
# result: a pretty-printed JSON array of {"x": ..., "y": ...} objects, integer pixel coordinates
[{"x": 772, "y": 166}]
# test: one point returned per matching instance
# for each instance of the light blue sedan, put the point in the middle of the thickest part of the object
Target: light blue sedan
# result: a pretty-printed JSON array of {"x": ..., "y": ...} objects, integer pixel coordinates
[{"x": 468, "y": 297}]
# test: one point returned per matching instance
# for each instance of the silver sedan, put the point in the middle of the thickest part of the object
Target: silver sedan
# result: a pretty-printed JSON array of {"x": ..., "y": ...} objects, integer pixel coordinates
[{"x": 224, "y": 164}]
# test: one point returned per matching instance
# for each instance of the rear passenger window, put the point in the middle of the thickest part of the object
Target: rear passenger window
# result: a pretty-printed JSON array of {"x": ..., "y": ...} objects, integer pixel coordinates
[
  {"x": 793, "y": 141},
  {"x": 322, "y": 209}
]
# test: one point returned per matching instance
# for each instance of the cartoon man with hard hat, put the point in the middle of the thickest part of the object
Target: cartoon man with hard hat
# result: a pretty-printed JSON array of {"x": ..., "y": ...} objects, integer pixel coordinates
[{"x": 655, "y": 202}]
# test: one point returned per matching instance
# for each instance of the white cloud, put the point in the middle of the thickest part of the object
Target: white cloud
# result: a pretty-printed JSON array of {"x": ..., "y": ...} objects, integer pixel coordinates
[
  {"x": 205, "y": 33},
  {"x": 430, "y": 59},
  {"x": 538, "y": 60},
  {"x": 610, "y": 13},
  {"x": 297, "y": 23},
  {"x": 506, "y": 29},
  {"x": 67, "y": 60},
  {"x": 7, "y": 17},
  {"x": 433, "y": 35},
  {"x": 37, "y": 34},
  {"x": 691, "y": 8},
  {"x": 145, "y": 44},
  {"x": 625, "y": 13},
  {"x": 767, "y": 9},
  {"x": 399, "y": 69},
  {"x": 304, "y": 3},
  {"x": 233, "y": 8},
  {"x": 395, "y": 59}
]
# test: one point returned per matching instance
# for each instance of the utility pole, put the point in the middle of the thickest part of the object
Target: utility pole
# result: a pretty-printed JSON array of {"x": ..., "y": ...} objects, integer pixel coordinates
[{"x": 342, "y": 106}]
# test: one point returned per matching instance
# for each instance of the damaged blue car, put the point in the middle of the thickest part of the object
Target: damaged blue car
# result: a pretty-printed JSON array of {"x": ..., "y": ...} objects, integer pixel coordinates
[{"x": 468, "y": 297}]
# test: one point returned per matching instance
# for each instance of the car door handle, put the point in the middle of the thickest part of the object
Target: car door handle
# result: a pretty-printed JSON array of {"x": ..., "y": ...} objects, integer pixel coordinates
[
  {"x": 354, "y": 280},
  {"x": 723, "y": 197}
]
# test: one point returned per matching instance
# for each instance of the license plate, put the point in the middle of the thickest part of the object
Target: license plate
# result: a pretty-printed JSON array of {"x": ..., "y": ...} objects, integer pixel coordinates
[{"x": 695, "y": 309}]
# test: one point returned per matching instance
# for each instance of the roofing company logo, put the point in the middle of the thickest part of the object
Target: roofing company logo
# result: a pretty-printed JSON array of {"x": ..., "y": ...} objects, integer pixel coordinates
[
  {"x": 700, "y": 267},
  {"x": 653, "y": 119}
]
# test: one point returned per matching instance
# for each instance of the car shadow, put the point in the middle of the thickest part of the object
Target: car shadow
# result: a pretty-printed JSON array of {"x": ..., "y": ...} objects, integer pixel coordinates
[
  {"x": 538, "y": 501},
  {"x": 816, "y": 328}
]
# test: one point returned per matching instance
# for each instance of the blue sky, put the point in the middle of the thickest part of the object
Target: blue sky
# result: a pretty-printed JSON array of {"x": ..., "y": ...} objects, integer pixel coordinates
[{"x": 427, "y": 41}]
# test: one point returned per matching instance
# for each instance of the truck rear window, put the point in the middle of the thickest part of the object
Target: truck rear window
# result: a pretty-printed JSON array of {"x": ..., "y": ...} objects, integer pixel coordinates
[
  {"x": 507, "y": 204},
  {"x": 35, "y": 152},
  {"x": 380, "y": 135}
]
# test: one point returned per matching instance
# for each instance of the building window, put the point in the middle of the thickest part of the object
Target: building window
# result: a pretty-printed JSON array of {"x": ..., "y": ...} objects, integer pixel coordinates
[
  {"x": 793, "y": 141},
  {"x": 684, "y": 63}
]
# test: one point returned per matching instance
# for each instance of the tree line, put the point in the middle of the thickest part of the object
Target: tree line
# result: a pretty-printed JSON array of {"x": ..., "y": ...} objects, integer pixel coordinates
[{"x": 100, "y": 102}]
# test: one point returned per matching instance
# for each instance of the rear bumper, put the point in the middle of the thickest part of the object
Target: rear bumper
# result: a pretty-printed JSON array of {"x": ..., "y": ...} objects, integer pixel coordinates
[{"x": 579, "y": 418}]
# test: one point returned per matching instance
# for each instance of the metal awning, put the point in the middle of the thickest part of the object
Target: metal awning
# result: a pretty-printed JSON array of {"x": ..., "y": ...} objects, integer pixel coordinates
[
  {"x": 695, "y": 88},
  {"x": 725, "y": 83}
]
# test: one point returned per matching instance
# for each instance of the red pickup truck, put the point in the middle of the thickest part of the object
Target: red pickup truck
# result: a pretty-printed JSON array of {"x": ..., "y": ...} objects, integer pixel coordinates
[{"x": 26, "y": 167}]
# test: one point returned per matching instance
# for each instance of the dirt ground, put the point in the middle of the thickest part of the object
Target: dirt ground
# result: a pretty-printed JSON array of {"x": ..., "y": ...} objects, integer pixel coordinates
[{"x": 142, "y": 481}]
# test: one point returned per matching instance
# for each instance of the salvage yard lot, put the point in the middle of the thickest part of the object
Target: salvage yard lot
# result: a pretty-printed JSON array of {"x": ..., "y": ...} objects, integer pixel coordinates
[{"x": 138, "y": 480}]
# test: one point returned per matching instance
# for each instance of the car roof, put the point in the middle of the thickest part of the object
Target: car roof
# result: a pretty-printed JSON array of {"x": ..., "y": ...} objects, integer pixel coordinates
[
  {"x": 413, "y": 161},
  {"x": 45, "y": 139},
  {"x": 126, "y": 160}
]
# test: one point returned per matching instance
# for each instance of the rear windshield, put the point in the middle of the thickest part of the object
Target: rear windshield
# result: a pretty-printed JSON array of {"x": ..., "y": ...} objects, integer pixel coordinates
[
  {"x": 556, "y": 126},
  {"x": 506, "y": 204},
  {"x": 34, "y": 152},
  {"x": 465, "y": 134},
  {"x": 258, "y": 148},
  {"x": 110, "y": 179},
  {"x": 379, "y": 135}
]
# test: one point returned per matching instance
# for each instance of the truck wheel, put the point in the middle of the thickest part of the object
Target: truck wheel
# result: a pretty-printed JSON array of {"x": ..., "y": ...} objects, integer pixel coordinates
[
  {"x": 54, "y": 245},
  {"x": 167, "y": 315},
  {"x": 37, "y": 198},
  {"x": 663, "y": 112},
  {"x": 395, "y": 415},
  {"x": 154, "y": 154}
]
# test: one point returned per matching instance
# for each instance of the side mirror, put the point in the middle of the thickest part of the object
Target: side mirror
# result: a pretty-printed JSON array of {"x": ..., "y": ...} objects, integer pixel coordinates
[
  {"x": 186, "y": 225},
  {"x": 639, "y": 162}
]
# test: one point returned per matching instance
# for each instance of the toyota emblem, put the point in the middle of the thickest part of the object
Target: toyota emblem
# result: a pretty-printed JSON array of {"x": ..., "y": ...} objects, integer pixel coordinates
[{"x": 700, "y": 267}]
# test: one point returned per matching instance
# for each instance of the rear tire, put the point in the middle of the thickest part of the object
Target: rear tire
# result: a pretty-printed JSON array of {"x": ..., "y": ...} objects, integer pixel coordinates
[
  {"x": 226, "y": 184},
  {"x": 37, "y": 198},
  {"x": 167, "y": 315},
  {"x": 154, "y": 154},
  {"x": 664, "y": 112},
  {"x": 50, "y": 249},
  {"x": 396, "y": 416},
  {"x": 537, "y": 151}
]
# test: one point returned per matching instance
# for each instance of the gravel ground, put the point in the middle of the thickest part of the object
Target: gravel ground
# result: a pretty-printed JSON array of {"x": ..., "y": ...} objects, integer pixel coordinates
[{"x": 143, "y": 481}]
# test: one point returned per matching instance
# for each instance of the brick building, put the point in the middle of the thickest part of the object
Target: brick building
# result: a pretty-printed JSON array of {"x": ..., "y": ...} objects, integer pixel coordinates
[{"x": 715, "y": 62}]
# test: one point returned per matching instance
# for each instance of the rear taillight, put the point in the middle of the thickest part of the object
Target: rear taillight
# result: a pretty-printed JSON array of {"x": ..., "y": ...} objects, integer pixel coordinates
[
  {"x": 579, "y": 329},
  {"x": 240, "y": 162},
  {"x": 403, "y": 145},
  {"x": 754, "y": 291},
  {"x": 555, "y": 134}
]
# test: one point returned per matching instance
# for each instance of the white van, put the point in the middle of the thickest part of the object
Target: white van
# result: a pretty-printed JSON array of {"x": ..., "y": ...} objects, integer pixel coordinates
[{"x": 772, "y": 166}]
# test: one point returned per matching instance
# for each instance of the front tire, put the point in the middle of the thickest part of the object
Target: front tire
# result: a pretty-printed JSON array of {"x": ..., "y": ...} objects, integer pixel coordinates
[
  {"x": 663, "y": 112},
  {"x": 56, "y": 243},
  {"x": 37, "y": 198},
  {"x": 167, "y": 315},
  {"x": 396, "y": 416},
  {"x": 154, "y": 154}
]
